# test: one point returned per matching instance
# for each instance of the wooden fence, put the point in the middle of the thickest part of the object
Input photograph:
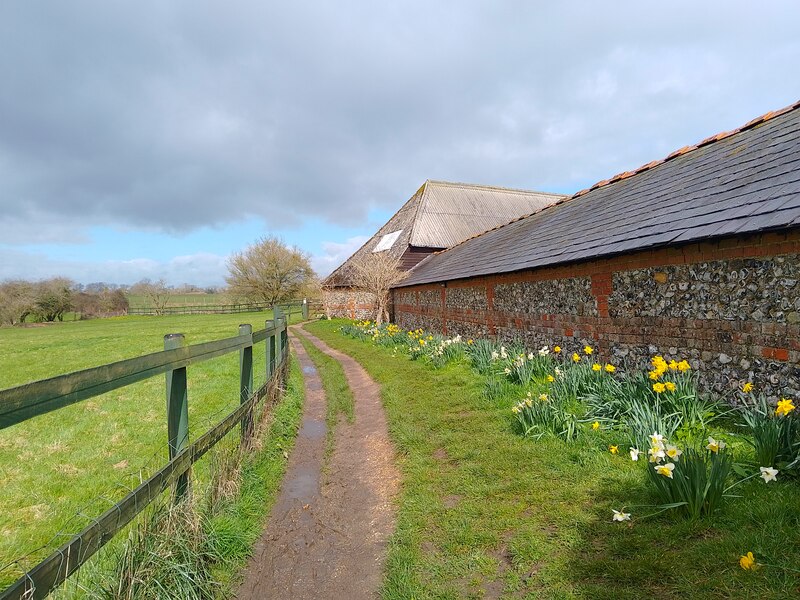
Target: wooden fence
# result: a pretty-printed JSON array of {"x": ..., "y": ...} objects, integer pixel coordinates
[
  {"x": 30, "y": 400},
  {"x": 289, "y": 308}
]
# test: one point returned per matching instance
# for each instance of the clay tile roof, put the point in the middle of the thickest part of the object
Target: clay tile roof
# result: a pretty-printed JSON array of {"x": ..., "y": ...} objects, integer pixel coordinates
[{"x": 742, "y": 181}]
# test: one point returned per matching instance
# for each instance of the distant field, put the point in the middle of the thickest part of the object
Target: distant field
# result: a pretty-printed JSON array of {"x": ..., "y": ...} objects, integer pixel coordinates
[
  {"x": 60, "y": 469},
  {"x": 139, "y": 301}
]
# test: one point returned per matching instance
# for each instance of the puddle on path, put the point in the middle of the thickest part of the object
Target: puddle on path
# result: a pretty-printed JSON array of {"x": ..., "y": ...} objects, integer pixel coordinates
[{"x": 308, "y": 370}]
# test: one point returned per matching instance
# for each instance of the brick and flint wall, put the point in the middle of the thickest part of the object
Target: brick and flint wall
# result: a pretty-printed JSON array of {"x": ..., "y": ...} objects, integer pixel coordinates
[
  {"x": 731, "y": 307},
  {"x": 349, "y": 303}
]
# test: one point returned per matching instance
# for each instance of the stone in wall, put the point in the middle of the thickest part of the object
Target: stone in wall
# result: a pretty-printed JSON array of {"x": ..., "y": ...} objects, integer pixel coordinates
[
  {"x": 430, "y": 298},
  {"x": 411, "y": 321},
  {"x": 550, "y": 297},
  {"x": 349, "y": 304},
  {"x": 408, "y": 298},
  {"x": 467, "y": 329},
  {"x": 466, "y": 298},
  {"x": 750, "y": 289}
]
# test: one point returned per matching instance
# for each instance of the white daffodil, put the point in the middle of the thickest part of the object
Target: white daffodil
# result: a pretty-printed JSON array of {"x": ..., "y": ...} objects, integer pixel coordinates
[
  {"x": 507, "y": 371},
  {"x": 657, "y": 440},
  {"x": 620, "y": 516},
  {"x": 544, "y": 351},
  {"x": 674, "y": 453},
  {"x": 656, "y": 455},
  {"x": 666, "y": 469},
  {"x": 715, "y": 445},
  {"x": 530, "y": 355},
  {"x": 503, "y": 353},
  {"x": 768, "y": 474},
  {"x": 634, "y": 454},
  {"x": 495, "y": 355}
]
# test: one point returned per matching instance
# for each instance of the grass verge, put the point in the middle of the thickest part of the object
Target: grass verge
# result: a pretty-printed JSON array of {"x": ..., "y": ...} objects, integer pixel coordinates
[
  {"x": 338, "y": 396},
  {"x": 485, "y": 512}
]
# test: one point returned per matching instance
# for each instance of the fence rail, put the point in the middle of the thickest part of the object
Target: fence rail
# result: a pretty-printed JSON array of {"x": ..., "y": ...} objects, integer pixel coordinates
[
  {"x": 214, "y": 309},
  {"x": 27, "y": 401}
]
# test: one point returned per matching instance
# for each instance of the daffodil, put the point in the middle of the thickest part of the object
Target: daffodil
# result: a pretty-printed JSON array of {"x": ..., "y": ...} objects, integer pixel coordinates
[
  {"x": 588, "y": 350},
  {"x": 610, "y": 368},
  {"x": 575, "y": 357},
  {"x": 656, "y": 439},
  {"x": 557, "y": 349},
  {"x": 544, "y": 351},
  {"x": 596, "y": 367},
  {"x": 785, "y": 406},
  {"x": 715, "y": 445},
  {"x": 768, "y": 474},
  {"x": 683, "y": 366},
  {"x": 670, "y": 386},
  {"x": 674, "y": 453},
  {"x": 656, "y": 454},
  {"x": 748, "y": 562},
  {"x": 550, "y": 379},
  {"x": 543, "y": 397},
  {"x": 507, "y": 371},
  {"x": 470, "y": 342},
  {"x": 596, "y": 425},
  {"x": 613, "y": 449},
  {"x": 654, "y": 375},
  {"x": 666, "y": 469},
  {"x": 515, "y": 410},
  {"x": 747, "y": 387},
  {"x": 658, "y": 387},
  {"x": 673, "y": 366},
  {"x": 620, "y": 516},
  {"x": 634, "y": 454}
]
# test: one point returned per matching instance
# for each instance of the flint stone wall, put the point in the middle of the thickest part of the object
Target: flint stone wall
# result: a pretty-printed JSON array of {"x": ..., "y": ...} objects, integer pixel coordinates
[{"x": 731, "y": 307}]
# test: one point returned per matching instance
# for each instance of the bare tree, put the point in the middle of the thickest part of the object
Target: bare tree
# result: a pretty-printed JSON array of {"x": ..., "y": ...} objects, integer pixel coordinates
[
  {"x": 156, "y": 292},
  {"x": 53, "y": 299},
  {"x": 376, "y": 273},
  {"x": 17, "y": 299},
  {"x": 269, "y": 271}
]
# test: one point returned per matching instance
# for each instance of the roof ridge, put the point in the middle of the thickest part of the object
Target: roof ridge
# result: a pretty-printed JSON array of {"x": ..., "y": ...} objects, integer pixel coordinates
[
  {"x": 491, "y": 187},
  {"x": 424, "y": 190},
  {"x": 686, "y": 149}
]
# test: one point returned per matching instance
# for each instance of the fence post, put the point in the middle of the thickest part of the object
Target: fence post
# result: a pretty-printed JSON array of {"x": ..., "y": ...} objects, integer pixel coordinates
[
  {"x": 285, "y": 338},
  {"x": 270, "y": 348},
  {"x": 277, "y": 313},
  {"x": 177, "y": 411},
  {"x": 246, "y": 381},
  {"x": 305, "y": 309}
]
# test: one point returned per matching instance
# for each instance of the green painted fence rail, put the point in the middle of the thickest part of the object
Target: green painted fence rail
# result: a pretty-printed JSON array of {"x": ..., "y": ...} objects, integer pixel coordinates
[
  {"x": 295, "y": 307},
  {"x": 30, "y": 400}
]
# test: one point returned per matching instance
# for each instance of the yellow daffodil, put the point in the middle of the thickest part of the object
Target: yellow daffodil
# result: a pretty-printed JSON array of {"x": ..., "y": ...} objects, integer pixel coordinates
[
  {"x": 654, "y": 375},
  {"x": 613, "y": 449},
  {"x": 666, "y": 469},
  {"x": 588, "y": 350},
  {"x": 670, "y": 386},
  {"x": 747, "y": 387},
  {"x": 658, "y": 388},
  {"x": 748, "y": 562},
  {"x": 543, "y": 397},
  {"x": 528, "y": 402},
  {"x": 768, "y": 474},
  {"x": 422, "y": 342},
  {"x": 683, "y": 366},
  {"x": 515, "y": 410},
  {"x": 557, "y": 349},
  {"x": 673, "y": 366},
  {"x": 575, "y": 357},
  {"x": 596, "y": 367},
  {"x": 785, "y": 406},
  {"x": 715, "y": 445},
  {"x": 550, "y": 379},
  {"x": 470, "y": 342},
  {"x": 610, "y": 368},
  {"x": 596, "y": 425}
]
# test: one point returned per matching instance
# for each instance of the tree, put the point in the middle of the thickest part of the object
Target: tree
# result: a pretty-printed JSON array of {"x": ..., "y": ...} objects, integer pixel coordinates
[
  {"x": 156, "y": 292},
  {"x": 17, "y": 299},
  {"x": 376, "y": 273},
  {"x": 269, "y": 271},
  {"x": 53, "y": 299}
]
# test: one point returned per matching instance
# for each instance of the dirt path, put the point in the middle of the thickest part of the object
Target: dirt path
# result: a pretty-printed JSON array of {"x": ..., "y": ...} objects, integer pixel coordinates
[{"x": 327, "y": 535}]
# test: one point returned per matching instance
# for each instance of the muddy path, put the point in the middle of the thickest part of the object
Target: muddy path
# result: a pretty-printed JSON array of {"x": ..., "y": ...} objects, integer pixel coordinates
[{"x": 328, "y": 531}]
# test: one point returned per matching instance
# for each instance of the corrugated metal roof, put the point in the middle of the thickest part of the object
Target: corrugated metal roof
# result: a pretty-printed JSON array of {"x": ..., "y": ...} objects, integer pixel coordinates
[
  {"x": 738, "y": 182},
  {"x": 441, "y": 214},
  {"x": 449, "y": 213}
]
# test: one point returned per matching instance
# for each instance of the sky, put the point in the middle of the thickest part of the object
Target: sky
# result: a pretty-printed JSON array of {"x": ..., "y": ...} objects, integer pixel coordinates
[{"x": 154, "y": 139}]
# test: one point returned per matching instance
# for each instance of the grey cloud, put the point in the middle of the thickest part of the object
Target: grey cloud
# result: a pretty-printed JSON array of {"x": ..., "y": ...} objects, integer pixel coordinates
[{"x": 171, "y": 116}]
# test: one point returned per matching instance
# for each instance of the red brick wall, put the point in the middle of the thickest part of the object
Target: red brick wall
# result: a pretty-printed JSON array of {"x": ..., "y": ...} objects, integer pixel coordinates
[{"x": 731, "y": 306}]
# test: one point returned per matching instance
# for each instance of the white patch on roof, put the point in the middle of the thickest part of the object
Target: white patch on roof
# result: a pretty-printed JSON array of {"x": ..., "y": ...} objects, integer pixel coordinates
[{"x": 387, "y": 241}]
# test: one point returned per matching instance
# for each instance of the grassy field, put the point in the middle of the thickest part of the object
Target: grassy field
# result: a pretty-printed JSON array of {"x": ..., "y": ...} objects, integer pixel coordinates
[
  {"x": 486, "y": 512},
  {"x": 60, "y": 469},
  {"x": 140, "y": 301}
]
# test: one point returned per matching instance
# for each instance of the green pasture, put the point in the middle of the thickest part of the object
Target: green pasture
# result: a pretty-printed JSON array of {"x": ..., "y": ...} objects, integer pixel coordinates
[
  {"x": 61, "y": 469},
  {"x": 485, "y": 512},
  {"x": 141, "y": 301}
]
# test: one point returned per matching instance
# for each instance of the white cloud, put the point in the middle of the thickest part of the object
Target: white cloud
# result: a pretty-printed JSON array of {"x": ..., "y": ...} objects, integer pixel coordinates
[
  {"x": 200, "y": 269},
  {"x": 335, "y": 253}
]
